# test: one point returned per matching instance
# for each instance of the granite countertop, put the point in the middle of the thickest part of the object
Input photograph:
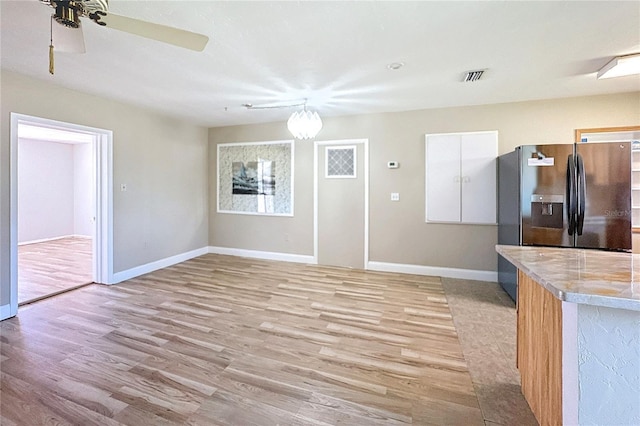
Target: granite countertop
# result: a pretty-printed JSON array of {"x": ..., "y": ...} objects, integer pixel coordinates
[{"x": 590, "y": 277}]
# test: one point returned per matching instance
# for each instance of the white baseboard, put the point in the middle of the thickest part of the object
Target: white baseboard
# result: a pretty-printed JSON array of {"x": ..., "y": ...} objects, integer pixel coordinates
[
  {"x": 5, "y": 312},
  {"x": 267, "y": 255},
  {"x": 468, "y": 274},
  {"x": 44, "y": 240},
  {"x": 465, "y": 274},
  {"x": 158, "y": 264}
]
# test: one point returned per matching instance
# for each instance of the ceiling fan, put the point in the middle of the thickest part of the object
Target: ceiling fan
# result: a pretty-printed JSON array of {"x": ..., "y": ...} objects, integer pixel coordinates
[{"x": 68, "y": 13}]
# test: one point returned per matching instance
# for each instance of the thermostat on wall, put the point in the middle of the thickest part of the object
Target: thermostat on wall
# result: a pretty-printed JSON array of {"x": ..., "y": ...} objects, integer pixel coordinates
[{"x": 393, "y": 164}]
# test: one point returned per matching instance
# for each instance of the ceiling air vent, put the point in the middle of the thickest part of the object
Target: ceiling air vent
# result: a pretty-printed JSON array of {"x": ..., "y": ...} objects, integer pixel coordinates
[{"x": 473, "y": 75}]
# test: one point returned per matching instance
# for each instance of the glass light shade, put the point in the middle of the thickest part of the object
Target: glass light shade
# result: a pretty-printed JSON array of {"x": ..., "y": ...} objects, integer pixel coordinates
[{"x": 304, "y": 124}]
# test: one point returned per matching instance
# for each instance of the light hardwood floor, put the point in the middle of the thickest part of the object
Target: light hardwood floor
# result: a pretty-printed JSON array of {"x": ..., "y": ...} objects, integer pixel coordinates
[
  {"x": 51, "y": 267},
  {"x": 221, "y": 340}
]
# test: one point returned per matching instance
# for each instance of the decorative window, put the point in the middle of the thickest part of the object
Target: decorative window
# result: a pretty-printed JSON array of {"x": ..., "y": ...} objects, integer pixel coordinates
[{"x": 340, "y": 162}]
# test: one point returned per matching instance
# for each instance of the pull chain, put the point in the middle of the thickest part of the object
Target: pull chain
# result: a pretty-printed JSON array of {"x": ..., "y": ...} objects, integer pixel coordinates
[{"x": 51, "y": 64}]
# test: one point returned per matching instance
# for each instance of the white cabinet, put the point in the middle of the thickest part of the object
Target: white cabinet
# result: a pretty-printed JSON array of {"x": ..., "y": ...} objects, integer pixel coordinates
[{"x": 461, "y": 177}]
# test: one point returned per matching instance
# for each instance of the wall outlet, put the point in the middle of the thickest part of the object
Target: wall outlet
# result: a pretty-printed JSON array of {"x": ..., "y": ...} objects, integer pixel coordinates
[{"x": 395, "y": 196}]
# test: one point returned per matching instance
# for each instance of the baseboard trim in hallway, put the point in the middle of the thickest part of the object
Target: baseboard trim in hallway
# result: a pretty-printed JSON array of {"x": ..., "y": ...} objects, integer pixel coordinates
[
  {"x": 266, "y": 255},
  {"x": 157, "y": 265},
  {"x": 435, "y": 271}
]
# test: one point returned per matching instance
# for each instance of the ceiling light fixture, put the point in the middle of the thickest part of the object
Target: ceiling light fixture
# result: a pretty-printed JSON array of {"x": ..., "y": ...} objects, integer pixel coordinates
[
  {"x": 621, "y": 66},
  {"x": 303, "y": 124},
  {"x": 395, "y": 65}
]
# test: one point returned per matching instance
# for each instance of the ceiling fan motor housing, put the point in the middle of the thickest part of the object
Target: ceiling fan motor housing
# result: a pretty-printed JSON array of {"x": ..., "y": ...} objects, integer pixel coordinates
[
  {"x": 67, "y": 15},
  {"x": 69, "y": 12}
]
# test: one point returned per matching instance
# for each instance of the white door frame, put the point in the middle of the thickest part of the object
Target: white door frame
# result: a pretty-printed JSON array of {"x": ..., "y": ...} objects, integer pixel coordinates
[
  {"x": 316, "y": 145},
  {"x": 103, "y": 226}
]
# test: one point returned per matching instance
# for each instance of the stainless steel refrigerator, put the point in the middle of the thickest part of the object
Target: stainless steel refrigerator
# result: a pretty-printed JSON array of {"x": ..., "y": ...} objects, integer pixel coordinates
[{"x": 571, "y": 195}]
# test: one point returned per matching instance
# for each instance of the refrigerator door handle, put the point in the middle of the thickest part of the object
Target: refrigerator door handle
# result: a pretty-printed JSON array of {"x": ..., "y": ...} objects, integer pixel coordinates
[
  {"x": 582, "y": 193},
  {"x": 571, "y": 195}
]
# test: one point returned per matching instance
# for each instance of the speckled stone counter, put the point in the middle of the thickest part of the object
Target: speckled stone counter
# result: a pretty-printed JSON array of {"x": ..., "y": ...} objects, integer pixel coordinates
[
  {"x": 590, "y": 277},
  {"x": 600, "y": 329}
]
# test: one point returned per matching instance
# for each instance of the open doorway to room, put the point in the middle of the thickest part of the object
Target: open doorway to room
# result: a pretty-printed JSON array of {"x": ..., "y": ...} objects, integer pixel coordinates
[
  {"x": 61, "y": 213},
  {"x": 56, "y": 211}
]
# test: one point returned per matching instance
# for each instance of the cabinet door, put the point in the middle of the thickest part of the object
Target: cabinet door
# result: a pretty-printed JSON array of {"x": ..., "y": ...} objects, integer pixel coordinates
[
  {"x": 478, "y": 155},
  {"x": 443, "y": 178}
]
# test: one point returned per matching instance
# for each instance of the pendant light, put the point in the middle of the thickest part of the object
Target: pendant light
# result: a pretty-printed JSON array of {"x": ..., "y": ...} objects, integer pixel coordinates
[{"x": 304, "y": 124}]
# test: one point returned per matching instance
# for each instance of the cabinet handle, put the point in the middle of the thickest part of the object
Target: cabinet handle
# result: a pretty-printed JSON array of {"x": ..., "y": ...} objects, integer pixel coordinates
[
  {"x": 456, "y": 178},
  {"x": 466, "y": 179}
]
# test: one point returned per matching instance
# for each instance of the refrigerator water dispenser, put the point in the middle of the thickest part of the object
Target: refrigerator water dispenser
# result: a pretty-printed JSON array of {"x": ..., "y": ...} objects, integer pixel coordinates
[{"x": 547, "y": 211}]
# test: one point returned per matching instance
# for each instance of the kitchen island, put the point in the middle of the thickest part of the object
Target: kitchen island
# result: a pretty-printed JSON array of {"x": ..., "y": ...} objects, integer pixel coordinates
[{"x": 578, "y": 334}]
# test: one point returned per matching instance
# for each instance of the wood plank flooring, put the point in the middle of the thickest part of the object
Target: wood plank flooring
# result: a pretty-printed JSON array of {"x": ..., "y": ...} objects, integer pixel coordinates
[
  {"x": 221, "y": 340},
  {"x": 51, "y": 267}
]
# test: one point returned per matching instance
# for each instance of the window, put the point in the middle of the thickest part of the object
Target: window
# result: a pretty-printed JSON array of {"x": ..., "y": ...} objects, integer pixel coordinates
[{"x": 340, "y": 162}]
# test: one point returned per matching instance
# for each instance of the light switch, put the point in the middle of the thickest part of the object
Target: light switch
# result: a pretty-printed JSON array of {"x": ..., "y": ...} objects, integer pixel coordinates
[{"x": 395, "y": 196}]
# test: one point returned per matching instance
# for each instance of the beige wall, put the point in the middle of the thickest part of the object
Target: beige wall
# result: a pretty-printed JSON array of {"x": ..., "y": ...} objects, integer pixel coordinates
[
  {"x": 163, "y": 161},
  {"x": 398, "y": 232},
  {"x": 292, "y": 235},
  {"x": 167, "y": 210}
]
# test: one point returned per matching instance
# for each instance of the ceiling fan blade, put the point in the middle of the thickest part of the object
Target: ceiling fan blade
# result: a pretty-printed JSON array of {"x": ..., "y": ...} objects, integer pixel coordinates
[
  {"x": 163, "y": 33},
  {"x": 69, "y": 40}
]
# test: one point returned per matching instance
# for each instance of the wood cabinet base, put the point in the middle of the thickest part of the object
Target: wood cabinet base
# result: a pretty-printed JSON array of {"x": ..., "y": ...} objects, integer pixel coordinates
[{"x": 540, "y": 350}]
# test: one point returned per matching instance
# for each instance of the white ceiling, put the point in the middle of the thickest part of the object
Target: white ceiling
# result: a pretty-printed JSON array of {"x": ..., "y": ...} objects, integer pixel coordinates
[{"x": 335, "y": 54}]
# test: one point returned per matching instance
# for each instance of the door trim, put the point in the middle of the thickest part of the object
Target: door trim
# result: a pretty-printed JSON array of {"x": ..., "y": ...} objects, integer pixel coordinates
[
  {"x": 103, "y": 226},
  {"x": 316, "y": 146}
]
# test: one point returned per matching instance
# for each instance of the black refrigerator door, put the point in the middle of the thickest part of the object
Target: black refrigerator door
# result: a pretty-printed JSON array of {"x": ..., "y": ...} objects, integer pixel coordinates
[
  {"x": 543, "y": 200},
  {"x": 508, "y": 216},
  {"x": 604, "y": 195}
]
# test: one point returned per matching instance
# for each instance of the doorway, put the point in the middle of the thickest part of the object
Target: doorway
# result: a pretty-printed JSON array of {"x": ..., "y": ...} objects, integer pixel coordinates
[
  {"x": 341, "y": 208},
  {"x": 56, "y": 211},
  {"x": 101, "y": 218}
]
